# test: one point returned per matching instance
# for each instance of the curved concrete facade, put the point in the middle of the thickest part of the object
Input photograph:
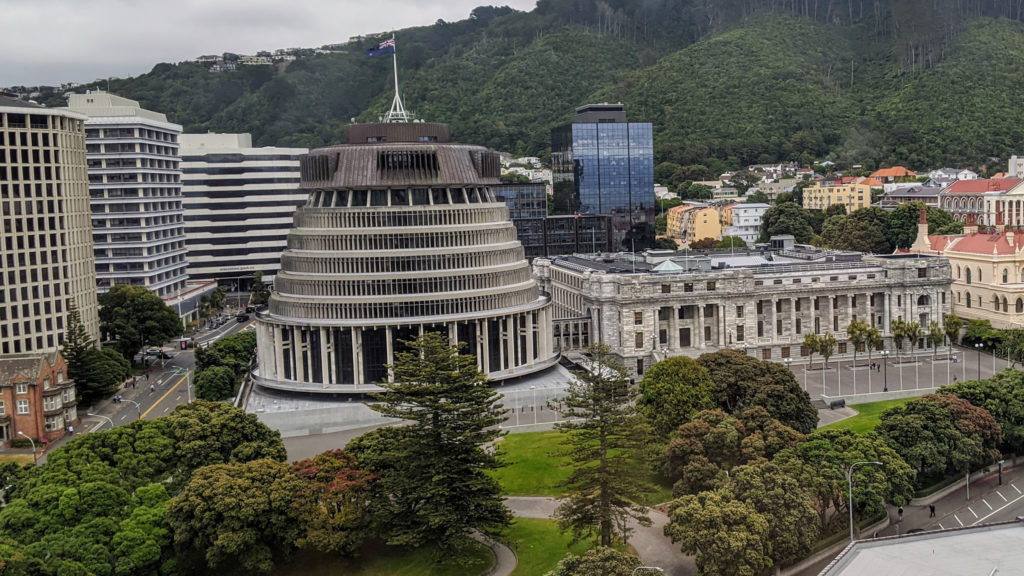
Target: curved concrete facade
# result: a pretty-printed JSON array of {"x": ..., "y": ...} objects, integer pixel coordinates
[{"x": 400, "y": 235}]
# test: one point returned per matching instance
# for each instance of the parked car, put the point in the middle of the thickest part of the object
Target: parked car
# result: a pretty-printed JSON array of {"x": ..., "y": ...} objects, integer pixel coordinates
[{"x": 242, "y": 318}]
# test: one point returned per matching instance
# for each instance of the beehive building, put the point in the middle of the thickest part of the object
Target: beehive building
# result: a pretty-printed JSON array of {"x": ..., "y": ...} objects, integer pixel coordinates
[{"x": 401, "y": 234}]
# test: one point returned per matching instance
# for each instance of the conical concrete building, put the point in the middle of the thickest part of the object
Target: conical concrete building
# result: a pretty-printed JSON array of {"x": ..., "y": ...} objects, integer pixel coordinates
[{"x": 400, "y": 235}]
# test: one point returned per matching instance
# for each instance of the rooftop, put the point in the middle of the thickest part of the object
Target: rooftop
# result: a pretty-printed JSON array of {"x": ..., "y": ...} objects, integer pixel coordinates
[
  {"x": 981, "y": 186},
  {"x": 990, "y": 549}
]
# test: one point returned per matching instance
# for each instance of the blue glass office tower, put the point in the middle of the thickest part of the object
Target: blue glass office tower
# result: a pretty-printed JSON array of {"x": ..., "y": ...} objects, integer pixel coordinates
[{"x": 602, "y": 164}]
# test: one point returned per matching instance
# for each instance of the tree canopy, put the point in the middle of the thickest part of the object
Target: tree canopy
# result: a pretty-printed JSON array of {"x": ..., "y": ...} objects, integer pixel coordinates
[
  {"x": 672, "y": 391},
  {"x": 135, "y": 317}
]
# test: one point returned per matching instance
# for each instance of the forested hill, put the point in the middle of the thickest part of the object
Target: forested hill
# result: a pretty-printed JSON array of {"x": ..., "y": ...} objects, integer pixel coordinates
[{"x": 726, "y": 83}]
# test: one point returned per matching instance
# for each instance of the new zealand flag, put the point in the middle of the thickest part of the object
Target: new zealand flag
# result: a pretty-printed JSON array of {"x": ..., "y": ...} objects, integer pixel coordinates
[{"x": 384, "y": 48}]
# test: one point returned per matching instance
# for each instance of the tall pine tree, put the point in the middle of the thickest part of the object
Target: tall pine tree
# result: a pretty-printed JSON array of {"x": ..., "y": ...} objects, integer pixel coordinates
[
  {"x": 76, "y": 341},
  {"x": 433, "y": 483},
  {"x": 606, "y": 438}
]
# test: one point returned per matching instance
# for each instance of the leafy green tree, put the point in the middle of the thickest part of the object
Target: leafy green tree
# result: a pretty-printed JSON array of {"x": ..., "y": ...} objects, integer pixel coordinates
[
  {"x": 826, "y": 346},
  {"x": 874, "y": 340},
  {"x": 1003, "y": 396},
  {"x": 335, "y": 501},
  {"x": 672, "y": 391},
  {"x": 707, "y": 448},
  {"x": 835, "y": 210},
  {"x": 234, "y": 352},
  {"x": 980, "y": 331},
  {"x": 665, "y": 244},
  {"x": 786, "y": 218},
  {"x": 600, "y": 561},
  {"x": 703, "y": 244},
  {"x": 605, "y": 441},
  {"x": 241, "y": 515},
  {"x": 857, "y": 333},
  {"x": 941, "y": 435},
  {"x": 100, "y": 374},
  {"x": 742, "y": 382},
  {"x": 862, "y": 231},
  {"x": 898, "y": 328},
  {"x": 435, "y": 488},
  {"x": 726, "y": 534},
  {"x": 728, "y": 242},
  {"x": 811, "y": 343},
  {"x": 260, "y": 294},
  {"x": 135, "y": 317},
  {"x": 904, "y": 218},
  {"x": 913, "y": 334},
  {"x": 785, "y": 504},
  {"x": 935, "y": 336},
  {"x": 819, "y": 463},
  {"x": 215, "y": 384}
]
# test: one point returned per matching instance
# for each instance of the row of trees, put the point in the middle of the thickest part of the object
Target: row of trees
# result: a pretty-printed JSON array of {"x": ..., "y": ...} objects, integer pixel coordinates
[
  {"x": 221, "y": 367},
  {"x": 871, "y": 230}
]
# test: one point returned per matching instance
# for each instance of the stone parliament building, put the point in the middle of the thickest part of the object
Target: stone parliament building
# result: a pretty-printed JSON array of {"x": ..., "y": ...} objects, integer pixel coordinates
[
  {"x": 666, "y": 304},
  {"x": 400, "y": 235}
]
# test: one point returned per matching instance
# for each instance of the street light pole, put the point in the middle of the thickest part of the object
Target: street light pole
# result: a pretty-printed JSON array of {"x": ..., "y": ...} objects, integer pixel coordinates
[
  {"x": 101, "y": 416},
  {"x": 35, "y": 457},
  {"x": 137, "y": 406},
  {"x": 533, "y": 392},
  {"x": 885, "y": 362},
  {"x": 978, "y": 346},
  {"x": 849, "y": 483}
]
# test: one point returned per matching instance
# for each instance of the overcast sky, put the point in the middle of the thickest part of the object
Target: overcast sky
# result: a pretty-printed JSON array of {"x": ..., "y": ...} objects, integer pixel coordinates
[{"x": 53, "y": 41}]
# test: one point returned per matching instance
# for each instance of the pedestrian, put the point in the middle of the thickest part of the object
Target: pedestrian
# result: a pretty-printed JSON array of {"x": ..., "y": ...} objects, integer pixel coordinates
[
  {"x": 71, "y": 429},
  {"x": 147, "y": 376},
  {"x": 899, "y": 512},
  {"x": 954, "y": 378},
  {"x": 152, "y": 388},
  {"x": 931, "y": 510}
]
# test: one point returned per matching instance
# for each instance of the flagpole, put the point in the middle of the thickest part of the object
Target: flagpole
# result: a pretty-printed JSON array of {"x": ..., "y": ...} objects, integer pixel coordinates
[{"x": 394, "y": 63}]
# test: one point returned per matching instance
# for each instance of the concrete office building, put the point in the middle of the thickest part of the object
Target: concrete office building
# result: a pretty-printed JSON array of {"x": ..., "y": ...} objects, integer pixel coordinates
[
  {"x": 603, "y": 164},
  {"x": 46, "y": 255},
  {"x": 238, "y": 203},
  {"x": 543, "y": 235},
  {"x": 667, "y": 305},
  {"x": 135, "y": 186},
  {"x": 401, "y": 235}
]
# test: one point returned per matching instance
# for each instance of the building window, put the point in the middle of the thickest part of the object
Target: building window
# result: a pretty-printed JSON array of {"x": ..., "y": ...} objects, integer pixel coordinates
[
  {"x": 711, "y": 286},
  {"x": 739, "y": 333},
  {"x": 688, "y": 287},
  {"x": 760, "y": 307},
  {"x": 22, "y": 406},
  {"x": 760, "y": 329},
  {"x": 922, "y": 272},
  {"x": 663, "y": 336},
  {"x": 739, "y": 311},
  {"x": 21, "y": 388},
  {"x": 797, "y": 325},
  {"x": 54, "y": 423},
  {"x": 785, "y": 352},
  {"x": 968, "y": 275},
  {"x": 52, "y": 403},
  {"x": 638, "y": 340},
  {"x": 766, "y": 354},
  {"x": 796, "y": 304},
  {"x": 3, "y": 408},
  {"x": 666, "y": 288},
  {"x": 1006, "y": 275},
  {"x": 640, "y": 366},
  {"x": 638, "y": 318},
  {"x": 842, "y": 348}
]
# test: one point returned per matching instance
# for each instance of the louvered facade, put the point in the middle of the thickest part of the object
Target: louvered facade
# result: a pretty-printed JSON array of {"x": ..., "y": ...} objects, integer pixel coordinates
[{"x": 400, "y": 235}]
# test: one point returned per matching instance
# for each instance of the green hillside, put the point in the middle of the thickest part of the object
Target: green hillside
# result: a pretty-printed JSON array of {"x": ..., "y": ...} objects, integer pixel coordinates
[{"x": 762, "y": 82}]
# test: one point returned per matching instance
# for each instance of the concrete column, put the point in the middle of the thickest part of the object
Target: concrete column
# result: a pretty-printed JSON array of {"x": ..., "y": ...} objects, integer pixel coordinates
[
  {"x": 775, "y": 319},
  {"x": 484, "y": 356},
  {"x": 699, "y": 332},
  {"x": 530, "y": 329},
  {"x": 300, "y": 355},
  {"x": 793, "y": 316},
  {"x": 357, "y": 357},
  {"x": 275, "y": 370},
  {"x": 390, "y": 351},
  {"x": 325, "y": 357},
  {"x": 673, "y": 329}
]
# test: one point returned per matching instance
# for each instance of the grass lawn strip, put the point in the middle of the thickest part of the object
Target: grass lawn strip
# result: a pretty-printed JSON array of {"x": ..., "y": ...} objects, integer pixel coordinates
[
  {"x": 540, "y": 546},
  {"x": 868, "y": 416}
]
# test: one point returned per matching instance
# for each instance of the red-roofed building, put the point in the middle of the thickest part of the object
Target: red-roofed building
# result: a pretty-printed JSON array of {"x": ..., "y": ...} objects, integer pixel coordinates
[
  {"x": 988, "y": 272},
  {"x": 893, "y": 174},
  {"x": 985, "y": 202}
]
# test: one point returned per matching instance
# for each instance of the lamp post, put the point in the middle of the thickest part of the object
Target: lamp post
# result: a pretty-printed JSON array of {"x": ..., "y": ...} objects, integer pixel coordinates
[
  {"x": 35, "y": 457},
  {"x": 787, "y": 361},
  {"x": 849, "y": 484},
  {"x": 137, "y": 406},
  {"x": 651, "y": 568},
  {"x": 1001, "y": 472},
  {"x": 885, "y": 362},
  {"x": 101, "y": 416},
  {"x": 533, "y": 392},
  {"x": 979, "y": 346}
]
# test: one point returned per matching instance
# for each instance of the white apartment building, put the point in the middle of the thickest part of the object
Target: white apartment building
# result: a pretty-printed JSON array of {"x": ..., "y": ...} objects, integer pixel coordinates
[
  {"x": 746, "y": 222},
  {"x": 239, "y": 202},
  {"x": 46, "y": 252},
  {"x": 135, "y": 189}
]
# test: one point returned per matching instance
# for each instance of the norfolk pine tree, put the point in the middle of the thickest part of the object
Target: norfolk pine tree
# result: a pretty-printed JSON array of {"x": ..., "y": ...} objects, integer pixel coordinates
[
  {"x": 434, "y": 487},
  {"x": 606, "y": 437}
]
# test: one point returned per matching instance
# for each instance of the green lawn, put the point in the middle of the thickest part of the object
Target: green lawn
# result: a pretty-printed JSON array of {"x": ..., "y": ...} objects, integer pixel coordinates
[
  {"x": 539, "y": 545},
  {"x": 21, "y": 459},
  {"x": 868, "y": 416},
  {"x": 533, "y": 471},
  {"x": 386, "y": 561}
]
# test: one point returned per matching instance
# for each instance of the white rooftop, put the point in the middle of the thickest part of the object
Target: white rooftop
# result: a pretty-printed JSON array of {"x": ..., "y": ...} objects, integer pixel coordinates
[{"x": 992, "y": 549}]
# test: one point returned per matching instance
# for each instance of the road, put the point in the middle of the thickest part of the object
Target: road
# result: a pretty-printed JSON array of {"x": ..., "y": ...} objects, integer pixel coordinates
[{"x": 156, "y": 393}]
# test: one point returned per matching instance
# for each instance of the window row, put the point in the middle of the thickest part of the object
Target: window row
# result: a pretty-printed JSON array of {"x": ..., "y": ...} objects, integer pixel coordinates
[
  {"x": 397, "y": 310},
  {"x": 385, "y": 264},
  {"x": 411, "y": 241},
  {"x": 307, "y": 218},
  {"x": 403, "y": 286}
]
